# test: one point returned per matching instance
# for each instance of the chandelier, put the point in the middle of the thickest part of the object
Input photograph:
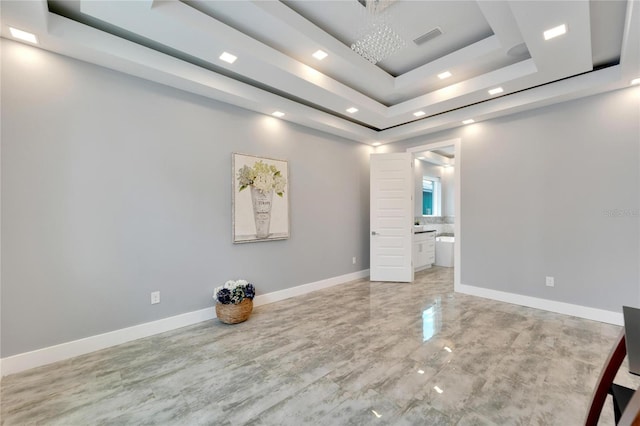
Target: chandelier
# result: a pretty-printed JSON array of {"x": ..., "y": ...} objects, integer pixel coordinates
[{"x": 376, "y": 40}]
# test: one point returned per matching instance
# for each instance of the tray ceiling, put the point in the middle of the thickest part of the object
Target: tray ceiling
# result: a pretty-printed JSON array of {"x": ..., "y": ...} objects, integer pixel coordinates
[{"x": 484, "y": 45}]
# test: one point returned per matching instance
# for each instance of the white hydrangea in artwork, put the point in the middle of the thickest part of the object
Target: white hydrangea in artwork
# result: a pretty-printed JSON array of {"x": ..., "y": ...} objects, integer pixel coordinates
[
  {"x": 263, "y": 177},
  {"x": 280, "y": 183},
  {"x": 264, "y": 182},
  {"x": 245, "y": 177}
]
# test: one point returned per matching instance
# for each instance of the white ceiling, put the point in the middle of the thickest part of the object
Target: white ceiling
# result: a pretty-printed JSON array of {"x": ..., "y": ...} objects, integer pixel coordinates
[{"x": 484, "y": 44}]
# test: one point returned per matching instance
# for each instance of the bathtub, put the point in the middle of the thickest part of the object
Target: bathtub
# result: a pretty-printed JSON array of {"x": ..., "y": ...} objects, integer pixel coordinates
[{"x": 444, "y": 251}]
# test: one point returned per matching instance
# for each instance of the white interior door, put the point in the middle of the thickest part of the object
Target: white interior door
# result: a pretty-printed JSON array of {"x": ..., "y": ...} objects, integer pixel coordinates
[{"x": 391, "y": 217}]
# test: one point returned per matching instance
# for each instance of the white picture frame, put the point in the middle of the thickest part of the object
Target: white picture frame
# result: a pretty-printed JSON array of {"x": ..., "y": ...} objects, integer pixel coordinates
[{"x": 260, "y": 200}]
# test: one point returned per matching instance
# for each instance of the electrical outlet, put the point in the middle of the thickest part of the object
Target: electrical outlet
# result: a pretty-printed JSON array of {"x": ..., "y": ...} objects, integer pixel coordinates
[
  {"x": 155, "y": 297},
  {"x": 550, "y": 281},
  {"x": 353, "y": 260}
]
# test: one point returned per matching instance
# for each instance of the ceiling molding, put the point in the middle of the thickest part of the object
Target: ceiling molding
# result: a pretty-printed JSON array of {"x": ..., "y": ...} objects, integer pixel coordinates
[{"x": 275, "y": 71}]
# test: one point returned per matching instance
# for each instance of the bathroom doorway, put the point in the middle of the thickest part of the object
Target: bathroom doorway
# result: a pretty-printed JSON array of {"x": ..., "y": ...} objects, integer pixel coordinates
[{"x": 437, "y": 197}]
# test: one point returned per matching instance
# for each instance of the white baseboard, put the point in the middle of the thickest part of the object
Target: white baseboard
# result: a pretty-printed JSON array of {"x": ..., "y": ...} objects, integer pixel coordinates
[
  {"x": 594, "y": 314},
  {"x": 24, "y": 361},
  {"x": 276, "y": 296}
]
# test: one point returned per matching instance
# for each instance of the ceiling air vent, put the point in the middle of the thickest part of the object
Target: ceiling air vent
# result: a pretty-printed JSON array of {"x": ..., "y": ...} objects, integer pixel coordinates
[
  {"x": 376, "y": 5},
  {"x": 428, "y": 36}
]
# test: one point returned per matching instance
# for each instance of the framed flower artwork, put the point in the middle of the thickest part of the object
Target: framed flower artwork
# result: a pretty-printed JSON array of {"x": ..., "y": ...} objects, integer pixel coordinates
[{"x": 260, "y": 198}]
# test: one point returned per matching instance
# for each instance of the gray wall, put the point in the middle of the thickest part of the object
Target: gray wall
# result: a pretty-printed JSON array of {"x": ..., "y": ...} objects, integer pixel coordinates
[
  {"x": 113, "y": 187},
  {"x": 538, "y": 191}
]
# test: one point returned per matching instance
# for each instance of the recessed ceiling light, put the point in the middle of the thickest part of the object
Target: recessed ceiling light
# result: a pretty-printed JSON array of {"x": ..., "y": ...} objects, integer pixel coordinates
[
  {"x": 469, "y": 121},
  {"x": 320, "y": 55},
  {"x": 555, "y": 32},
  {"x": 23, "y": 35},
  {"x": 352, "y": 110},
  {"x": 444, "y": 75},
  {"x": 496, "y": 91},
  {"x": 278, "y": 114},
  {"x": 635, "y": 81},
  {"x": 421, "y": 158},
  {"x": 228, "y": 57},
  {"x": 376, "y": 144},
  {"x": 419, "y": 113}
]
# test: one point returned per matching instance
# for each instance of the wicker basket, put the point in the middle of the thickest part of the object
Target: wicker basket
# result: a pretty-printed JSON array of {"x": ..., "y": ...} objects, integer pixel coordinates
[{"x": 233, "y": 314}]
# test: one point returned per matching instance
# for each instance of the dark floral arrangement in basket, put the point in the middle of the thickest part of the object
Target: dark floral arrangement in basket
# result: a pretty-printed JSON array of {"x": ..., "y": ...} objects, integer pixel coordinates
[{"x": 234, "y": 301}]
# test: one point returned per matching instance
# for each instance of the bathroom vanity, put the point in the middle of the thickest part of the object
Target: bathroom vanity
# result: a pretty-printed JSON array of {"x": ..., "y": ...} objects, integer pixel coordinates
[{"x": 424, "y": 249}]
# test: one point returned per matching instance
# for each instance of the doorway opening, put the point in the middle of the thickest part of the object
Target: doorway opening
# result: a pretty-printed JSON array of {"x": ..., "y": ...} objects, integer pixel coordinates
[{"x": 437, "y": 195}]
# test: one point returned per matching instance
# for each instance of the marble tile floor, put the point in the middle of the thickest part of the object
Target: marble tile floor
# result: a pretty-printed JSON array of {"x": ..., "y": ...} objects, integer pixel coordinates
[{"x": 363, "y": 353}]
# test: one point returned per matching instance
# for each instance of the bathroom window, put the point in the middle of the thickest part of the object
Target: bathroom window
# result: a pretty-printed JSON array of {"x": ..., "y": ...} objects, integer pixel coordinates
[{"x": 431, "y": 199}]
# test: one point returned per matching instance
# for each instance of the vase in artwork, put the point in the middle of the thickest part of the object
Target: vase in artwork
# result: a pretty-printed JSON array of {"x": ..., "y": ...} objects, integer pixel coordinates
[{"x": 262, "y": 202}]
